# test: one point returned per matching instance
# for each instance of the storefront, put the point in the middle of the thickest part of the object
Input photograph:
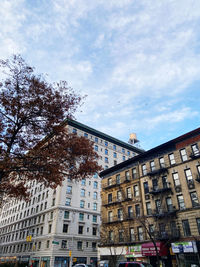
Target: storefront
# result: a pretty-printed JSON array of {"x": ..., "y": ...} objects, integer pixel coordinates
[
  {"x": 61, "y": 261},
  {"x": 45, "y": 261},
  {"x": 187, "y": 253},
  {"x": 149, "y": 251},
  {"x": 135, "y": 253},
  {"x": 35, "y": 261}
]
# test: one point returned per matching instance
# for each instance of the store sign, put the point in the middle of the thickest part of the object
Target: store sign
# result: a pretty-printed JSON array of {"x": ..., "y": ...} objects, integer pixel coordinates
[
  {"x": 134, "y": 251},
  {"x": 148, "y": 249},
  {"x": 184, "y": 247}
]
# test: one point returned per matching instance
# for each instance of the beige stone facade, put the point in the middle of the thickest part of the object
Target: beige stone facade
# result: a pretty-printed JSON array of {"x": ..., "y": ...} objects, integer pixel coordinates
[{"x": 160, "y": 200}]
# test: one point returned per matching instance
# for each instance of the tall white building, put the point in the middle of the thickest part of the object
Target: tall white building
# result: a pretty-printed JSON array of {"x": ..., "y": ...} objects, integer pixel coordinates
[{"x": 57, "y": 224}]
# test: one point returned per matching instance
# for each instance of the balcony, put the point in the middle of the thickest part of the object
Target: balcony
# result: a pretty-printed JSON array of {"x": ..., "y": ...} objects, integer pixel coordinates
[
  {"x": 195, "y": 155},
  {"x": 112, "y": 220},
  {"x": 157, "y": 171},
  {"x": 157, "y": 190},
  {"x": 166, "y": 235},
  {"x": 161, "y": 213},
  {"x": 114, "y": 201}
]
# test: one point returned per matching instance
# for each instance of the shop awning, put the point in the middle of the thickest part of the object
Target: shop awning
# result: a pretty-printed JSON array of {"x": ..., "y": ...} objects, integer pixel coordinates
[{"x": 148, "y": 249}]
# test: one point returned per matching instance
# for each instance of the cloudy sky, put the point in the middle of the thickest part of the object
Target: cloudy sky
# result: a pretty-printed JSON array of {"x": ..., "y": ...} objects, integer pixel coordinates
[{"x": 137, "y": 60}]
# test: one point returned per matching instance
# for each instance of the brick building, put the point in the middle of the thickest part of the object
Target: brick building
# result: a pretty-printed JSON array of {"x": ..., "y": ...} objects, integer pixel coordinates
[{"x": 151, "y": 204}]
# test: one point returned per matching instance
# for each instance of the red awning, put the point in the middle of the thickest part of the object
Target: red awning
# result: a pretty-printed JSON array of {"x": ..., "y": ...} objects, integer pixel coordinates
[{"x": 148, "y": 249}]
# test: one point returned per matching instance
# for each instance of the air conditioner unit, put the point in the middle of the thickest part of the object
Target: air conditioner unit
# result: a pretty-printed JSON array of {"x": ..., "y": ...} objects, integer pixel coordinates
[
  {"x": 190, "y": 185},
  {"x": 178, "y": 188}
]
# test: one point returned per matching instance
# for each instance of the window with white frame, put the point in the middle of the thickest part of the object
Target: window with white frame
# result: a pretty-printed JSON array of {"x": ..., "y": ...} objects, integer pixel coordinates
[
  {"x": 144, "y": 169},
  {"x": 68, "y": 201},
  {"x": 82, "y": 192},
  {"x": 172, "y": 159},
  {"x": 183, "y": 154},
  {"x": 162, "y": 162},
  {"x": 181, "y": 202},
  {"x": 140, "y": 233},
  {"x": 136, "y": 190},
  {"x": 176, "y": 178},
  {"x": 188, "y": 175},
  {"x": 195, "y": 149},
  {"x": 82, "y": 204},
  {"x": 152, "y": 165}
]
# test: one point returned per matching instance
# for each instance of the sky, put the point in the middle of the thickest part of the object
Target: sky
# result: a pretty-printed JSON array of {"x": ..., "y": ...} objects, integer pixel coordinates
[{"x": 138, "y": 61}]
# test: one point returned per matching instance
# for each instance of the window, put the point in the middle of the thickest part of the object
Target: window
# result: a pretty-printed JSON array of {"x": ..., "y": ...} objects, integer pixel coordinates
[
  {"x": 114, "y": 155},
  {"x": 82, "y": 204},
  {"x": 121, "y": 235},
  {"x": 106, "y": 159},
  {"x": 94, "y": 206},
  {"x": 47, "y": 245},
  {"x": 68, "y": 201},
  {"x": 94, "y": 231},
  {"x": 95, "y": 195},
  {"x": 106, "y": 143},
  {"x": 195, "y": 149},
  {"x": 169, "y": 204},
  {"x": 96, "y": 148},
  {"x": 83, "y": 182},
  {"x": 127, "y": 175},
  {"x": 49, "y": 230},
  {"x": 158, "y": 205},
  {"x": 186, "y": 228},
  {"x": 188, "y": 175},
  {"x": 151, "y": 229},
  {"x": 94, "y": 246},
  {"x": 81, "y": 216},
  {"x": 162, "y": 162},
  {"x": 109, "y": 181},
  {"x": 106, "y": 151},
  {"x": 132, "y": 234},
  {"x": 80, "y": 229},
  {"x": 80, "y": 245},
  {"x": 181, "y": 202},
  {"x": 65, "y": 228},
  {"x": 119, "y": 195},
  {"x": 128, "y": 153},
  {"x": 111, "y": 236},
  {"x": 144, "y": 169},
  {"x": 51, "y": 215},
  {"x": 96, "y": 139},
  {"x": 164, "y": 182},
  {"x": 82, "y": 192},
  {"x": 86, "y": 135},
  {"x": 128, "y": 193},
  {"x": 176, "y": 178},
  {"x": 123, "y": 150},
  {"x": 198, "y": 224},
  {"x": 194, "y": 199},
  {"x": 152, "y": 165},
  {"x": 172, "y": 159},
  {"x": 137, "y": 210},
  {"x": 183, "y": 154},
  {"x": 140, "y": 233},
  {"x": 94, "y": 218},
  {"x": 130, "y": 212},
  {"x": 95, "y": 185},
  {"x": 64, "y": 244},
  {"x": 146, "y": 187},
  {"x": 123, "y": 158},
  {"x": 136, "y": 190},
  {"x": 119, "y": 214},
  {"x": 114, "y": 147},
  {"x": 155, "y": 184},
  {"x": 118, "y": 179},
  {"x": 148, "y": 207},
  {"x": 134, "y": 173},
  {"x": 110, "y": 216},
  {"x": 110, "y": 198},
  {"x": 74, "y": 131},
  {"x": 69, "y": 189}
]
